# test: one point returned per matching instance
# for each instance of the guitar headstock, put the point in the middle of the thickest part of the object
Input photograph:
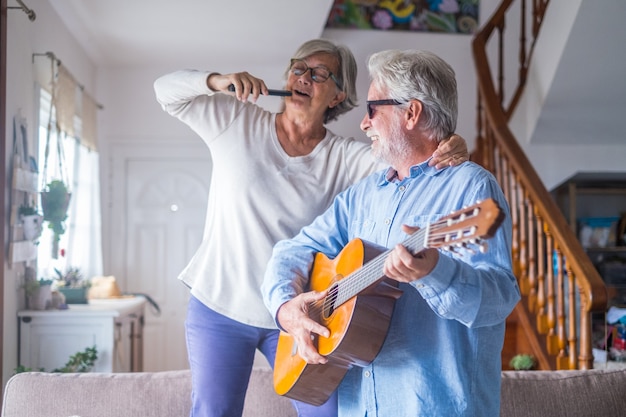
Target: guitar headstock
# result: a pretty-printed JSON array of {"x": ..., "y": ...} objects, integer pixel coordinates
[{"x": 470, "y": 225}]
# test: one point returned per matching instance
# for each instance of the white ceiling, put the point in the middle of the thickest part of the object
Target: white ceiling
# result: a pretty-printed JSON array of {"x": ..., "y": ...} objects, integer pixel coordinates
[
  {"x": 120, "y": 33},
  {"x": 586, "y": 101}
]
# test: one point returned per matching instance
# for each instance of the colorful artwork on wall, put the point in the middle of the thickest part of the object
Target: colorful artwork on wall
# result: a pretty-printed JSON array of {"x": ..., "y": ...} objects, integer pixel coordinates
[{"x": 447, "y": 16}]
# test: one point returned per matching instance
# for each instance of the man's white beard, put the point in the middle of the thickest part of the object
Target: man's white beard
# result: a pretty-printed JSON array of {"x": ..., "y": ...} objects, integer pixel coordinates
[{"x": 391, "y": 151}]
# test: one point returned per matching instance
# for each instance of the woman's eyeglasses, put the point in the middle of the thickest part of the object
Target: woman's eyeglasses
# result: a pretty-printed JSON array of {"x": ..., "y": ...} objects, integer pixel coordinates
[
  {"x": 318, "y": 74},
  {"x": 371, "y": 105}
]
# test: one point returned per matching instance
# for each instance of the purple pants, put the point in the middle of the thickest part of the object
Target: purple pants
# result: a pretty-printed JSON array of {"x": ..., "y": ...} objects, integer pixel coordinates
[{"x": 221, "y": 353}]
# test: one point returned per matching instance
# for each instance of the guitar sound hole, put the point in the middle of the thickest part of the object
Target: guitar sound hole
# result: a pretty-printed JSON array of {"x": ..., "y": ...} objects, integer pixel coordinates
[{"x": 329, "y": 301}]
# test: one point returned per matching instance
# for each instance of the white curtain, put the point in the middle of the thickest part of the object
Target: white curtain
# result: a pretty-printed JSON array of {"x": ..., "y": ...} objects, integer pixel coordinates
[{"x": 84, "y": 236}]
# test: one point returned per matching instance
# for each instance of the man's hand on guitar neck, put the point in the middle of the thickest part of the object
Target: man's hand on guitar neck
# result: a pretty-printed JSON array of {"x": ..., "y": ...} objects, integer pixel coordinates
[
  {"x": 293, "y": 317},
  {"x": 402, "y": 266}
]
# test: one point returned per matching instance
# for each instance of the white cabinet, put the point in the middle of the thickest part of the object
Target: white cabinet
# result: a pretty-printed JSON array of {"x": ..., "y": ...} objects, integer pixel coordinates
[{"x": 115, "y": 326}]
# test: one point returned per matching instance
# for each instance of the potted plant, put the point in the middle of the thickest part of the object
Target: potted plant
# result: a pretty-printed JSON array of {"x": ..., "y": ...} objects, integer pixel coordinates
[
  {"x": 31, "y": 221},
  {"x": 55, "y": 200},
  {"x": 523, "y": 362},
  {"x": 27, "y": 210},
  {"x": 38, "y": 293},
  {"x": 79, "y": 362},
  {"x": 72, "y": 285}
]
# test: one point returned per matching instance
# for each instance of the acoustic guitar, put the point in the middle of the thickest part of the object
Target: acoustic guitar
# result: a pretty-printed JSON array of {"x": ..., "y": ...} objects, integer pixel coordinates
[{"x": 358, "y": 307}]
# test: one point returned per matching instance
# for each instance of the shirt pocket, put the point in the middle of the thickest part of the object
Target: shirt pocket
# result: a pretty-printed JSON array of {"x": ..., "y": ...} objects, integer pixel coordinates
[
  {"x": 363, "y": 228},
  {"x": 424, "y": 220}
]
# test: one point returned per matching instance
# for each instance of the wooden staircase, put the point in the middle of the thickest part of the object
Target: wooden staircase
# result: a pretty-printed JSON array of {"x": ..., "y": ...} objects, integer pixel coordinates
[{"x": 561, "y": 288}]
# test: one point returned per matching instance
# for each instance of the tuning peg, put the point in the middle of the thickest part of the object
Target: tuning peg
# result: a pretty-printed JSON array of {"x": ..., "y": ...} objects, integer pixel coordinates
[
  {"x": 446, "y": 248},
  {"x": 483, "y": 246}
]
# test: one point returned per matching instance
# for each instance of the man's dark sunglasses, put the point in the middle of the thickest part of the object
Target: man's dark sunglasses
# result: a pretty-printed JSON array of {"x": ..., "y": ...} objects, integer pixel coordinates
[{"x": 371, "y": 105}]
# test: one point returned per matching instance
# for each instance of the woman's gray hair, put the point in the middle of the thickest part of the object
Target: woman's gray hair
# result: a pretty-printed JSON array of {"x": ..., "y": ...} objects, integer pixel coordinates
[
  {"x": 346, "y": 74},
  {"x": 419, "y": 75}
]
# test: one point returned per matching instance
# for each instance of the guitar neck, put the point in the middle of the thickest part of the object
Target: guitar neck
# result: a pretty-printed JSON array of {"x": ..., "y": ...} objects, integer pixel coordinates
[{"x": 372, "y": 272}]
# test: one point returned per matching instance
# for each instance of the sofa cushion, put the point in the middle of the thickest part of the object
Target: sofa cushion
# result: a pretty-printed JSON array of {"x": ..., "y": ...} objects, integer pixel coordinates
[
  {"x": 96, "y": 394},
  {"x": 596, "y": 392}
]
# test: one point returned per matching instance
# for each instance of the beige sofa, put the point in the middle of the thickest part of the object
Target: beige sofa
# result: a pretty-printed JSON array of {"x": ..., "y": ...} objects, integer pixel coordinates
[{"x": 166, "y": 394}]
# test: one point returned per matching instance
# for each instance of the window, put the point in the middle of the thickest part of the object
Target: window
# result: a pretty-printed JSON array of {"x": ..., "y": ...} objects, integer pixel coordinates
[{"x": 80, "y": 246}]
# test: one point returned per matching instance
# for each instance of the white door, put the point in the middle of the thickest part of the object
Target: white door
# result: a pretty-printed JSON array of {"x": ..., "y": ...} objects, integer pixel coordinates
[{"x": 159, "y": 195}]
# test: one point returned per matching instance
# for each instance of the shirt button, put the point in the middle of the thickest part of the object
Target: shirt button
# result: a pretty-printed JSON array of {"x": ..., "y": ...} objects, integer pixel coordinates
[
  {"x": 387, "y": 221},
  {"x": 401, "y": 188},
  {"x": 419, "y": 285},
  {"x": 367, "y": 374}
]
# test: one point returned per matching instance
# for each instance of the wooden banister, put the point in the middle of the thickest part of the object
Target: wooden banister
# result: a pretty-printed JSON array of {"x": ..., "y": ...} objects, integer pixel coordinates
[{"x": 560, "y": 286}]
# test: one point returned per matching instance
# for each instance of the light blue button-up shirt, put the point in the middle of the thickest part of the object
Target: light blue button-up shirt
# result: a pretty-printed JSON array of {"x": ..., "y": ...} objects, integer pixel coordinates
[{"x": 442, "y": 353}]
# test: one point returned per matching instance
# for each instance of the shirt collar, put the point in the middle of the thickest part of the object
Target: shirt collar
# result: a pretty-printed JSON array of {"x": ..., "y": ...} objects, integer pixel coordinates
[{"x": 390, "y": 174}]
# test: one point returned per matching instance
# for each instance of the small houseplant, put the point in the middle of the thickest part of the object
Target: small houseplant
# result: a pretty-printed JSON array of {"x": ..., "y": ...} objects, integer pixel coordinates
[
  {"x": 523, "y": 362},
  {"x": 27, "y": 210},
  {"x": 38, "y": 293},
  {"x": 72, "y": 285},
  {"x": 31, "y": 221},
  {"x": 79, "y": 362},
  {"x": 55, "y": 200}
]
